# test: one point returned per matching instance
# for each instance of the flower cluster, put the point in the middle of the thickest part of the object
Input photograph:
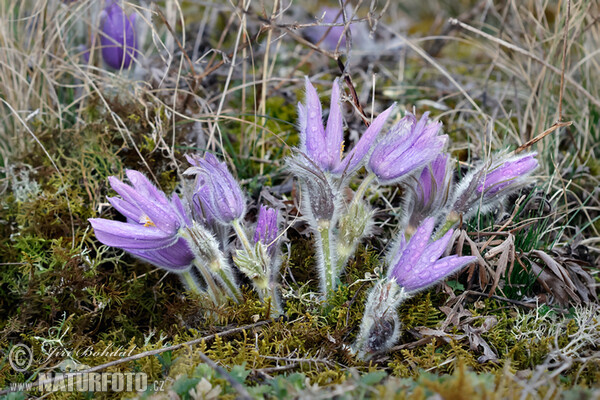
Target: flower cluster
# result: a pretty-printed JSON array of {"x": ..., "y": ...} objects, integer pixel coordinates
[
  {"x": 178, "y": 235},
  {"x": 411, "y": 153},
  {"x": 190, "y": 236}
]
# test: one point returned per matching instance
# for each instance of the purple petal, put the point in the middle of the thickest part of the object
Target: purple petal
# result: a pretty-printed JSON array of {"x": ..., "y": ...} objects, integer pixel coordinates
[
  {"x": 314, "y": 135},
  {"x": 354, "y": 158},
  {"x": 435, "y": 250},
  {"x": 412, "y": 253},
  {"x": 178, "y": 205},
  {"x": 161, "y": 215},
  {"x": 129, "y": 236},
  {"x": 334, "y": 133},
  {"x": 435, "y": 272},
  {"x": 146, "y": 188},
  {"x": 175, "y": 258},
  {"x": 395, "y": 142},
  {"x": 126, "y": 209}
]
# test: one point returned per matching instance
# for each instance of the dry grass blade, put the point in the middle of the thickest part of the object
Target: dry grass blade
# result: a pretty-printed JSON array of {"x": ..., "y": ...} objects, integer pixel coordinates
[{"x": 507, "y": 253}]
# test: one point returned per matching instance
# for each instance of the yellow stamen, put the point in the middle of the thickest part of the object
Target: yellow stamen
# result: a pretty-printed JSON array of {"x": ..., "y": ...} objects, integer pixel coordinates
[
  {"x": 342, "y": 150},
  {"x": 147, "y": 221}
]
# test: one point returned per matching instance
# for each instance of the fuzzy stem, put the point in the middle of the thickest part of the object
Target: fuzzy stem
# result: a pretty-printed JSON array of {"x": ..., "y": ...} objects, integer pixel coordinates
[
  {"x": 232, "y": 288},
  {"x": 329, "y": 270},
  {"x": 363, "y": 187},
  {"x": 213, "y": 290},
  {"x": 242, "y": 235},
  {"x": 190, "y": 282}
]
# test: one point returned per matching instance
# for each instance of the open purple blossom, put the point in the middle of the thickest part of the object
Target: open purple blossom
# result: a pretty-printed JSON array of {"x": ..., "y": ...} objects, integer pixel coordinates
[
  {"x": 266, "y": 231},
  {"x": 324, "y": 146},
  {"x": 118, "y": 38},
  {"x": 217, "y": 195},
  {"x": 152, "y": 227},
  {"x": 416, "y": 265},
  {"x": 408, "y": 146}
]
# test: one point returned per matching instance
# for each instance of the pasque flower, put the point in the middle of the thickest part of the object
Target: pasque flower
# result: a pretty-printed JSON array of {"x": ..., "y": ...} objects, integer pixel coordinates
[
  {"x": 324, "y": 146},
  {"x": 152, "y": 227},
  {"x": 490, "y": 183},
  {"x": 266, "y": 231},
  {"x": 431, "y": 192},
  {"x": 217, "y": 193},
  {"x": 507, "y": 173},
  {"x": 414, "y": 266},
  {"x": 118, "y": 38},
  {"x": 407, "y": 146}
]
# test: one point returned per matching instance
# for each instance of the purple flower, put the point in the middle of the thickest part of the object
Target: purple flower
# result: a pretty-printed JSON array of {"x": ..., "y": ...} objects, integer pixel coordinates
[
  {"x": 118, "y": 39},
  {"x": 507, "y": 173},
  {"x": 330, "y": 35},
  {"x": 408, "y": 145},
  {"x": 490, "y": 183},
  {"x": 217, "y": 195},
  {"x": 431, "y": 192},
  {"x": 266, "y": 231},
  {"x": 416, "y": 265},
  {"x": 153, "y": 223},
  {"x": 324, "y": 146}
]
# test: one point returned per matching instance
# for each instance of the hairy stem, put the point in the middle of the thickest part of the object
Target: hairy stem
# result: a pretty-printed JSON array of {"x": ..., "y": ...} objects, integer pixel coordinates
[
  {"x": 213, "y": 289},
  {"x": 363, "y": 187},
  {"x": 242, "y": 235},
  {"x": 190, "y": 282},
  {"x": 225, "y": 275},
  {"x": 329, "y": 270}
]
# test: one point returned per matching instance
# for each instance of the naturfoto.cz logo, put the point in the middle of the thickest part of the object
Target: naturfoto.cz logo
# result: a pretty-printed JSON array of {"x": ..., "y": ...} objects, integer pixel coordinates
[{"x": 90, "y": 382}]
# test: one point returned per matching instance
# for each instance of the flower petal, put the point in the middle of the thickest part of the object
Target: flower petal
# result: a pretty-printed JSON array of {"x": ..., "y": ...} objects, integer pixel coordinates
[
  {"x": 436, "y": 272},
  {"x": 334, "y": 133},
  {"x": 412, "y": 253},
  {"x": 354, "y": 158},
  {"x": 129, "y": 236}
]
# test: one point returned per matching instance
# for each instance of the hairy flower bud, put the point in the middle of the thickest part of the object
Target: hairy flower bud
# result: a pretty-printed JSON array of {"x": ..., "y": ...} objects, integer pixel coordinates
[
  {"x": 217, "y": 192},
  {"x": 489, "y": 183}
]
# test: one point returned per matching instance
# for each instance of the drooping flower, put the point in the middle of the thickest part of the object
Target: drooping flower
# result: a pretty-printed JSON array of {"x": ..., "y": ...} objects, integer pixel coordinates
[
  {"x": 408, "y": 146},
  {"x": 266, "y": 231},
  {"x": 490, "y": 183},
  {"x": 431, "y": 192},
  {"x": 218, "y": 194},
  {"x": 153, "y": 223},
  {"x": 416, "y": 265},
  {"x": 324, "y": 146},
  {"x": 118, "y": 38}
]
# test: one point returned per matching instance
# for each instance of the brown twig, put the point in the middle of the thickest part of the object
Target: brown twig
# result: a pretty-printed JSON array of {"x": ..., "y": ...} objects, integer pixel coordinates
[
  {"x": 542, "y": 135},
  {"x": 355, "y": 100}
]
